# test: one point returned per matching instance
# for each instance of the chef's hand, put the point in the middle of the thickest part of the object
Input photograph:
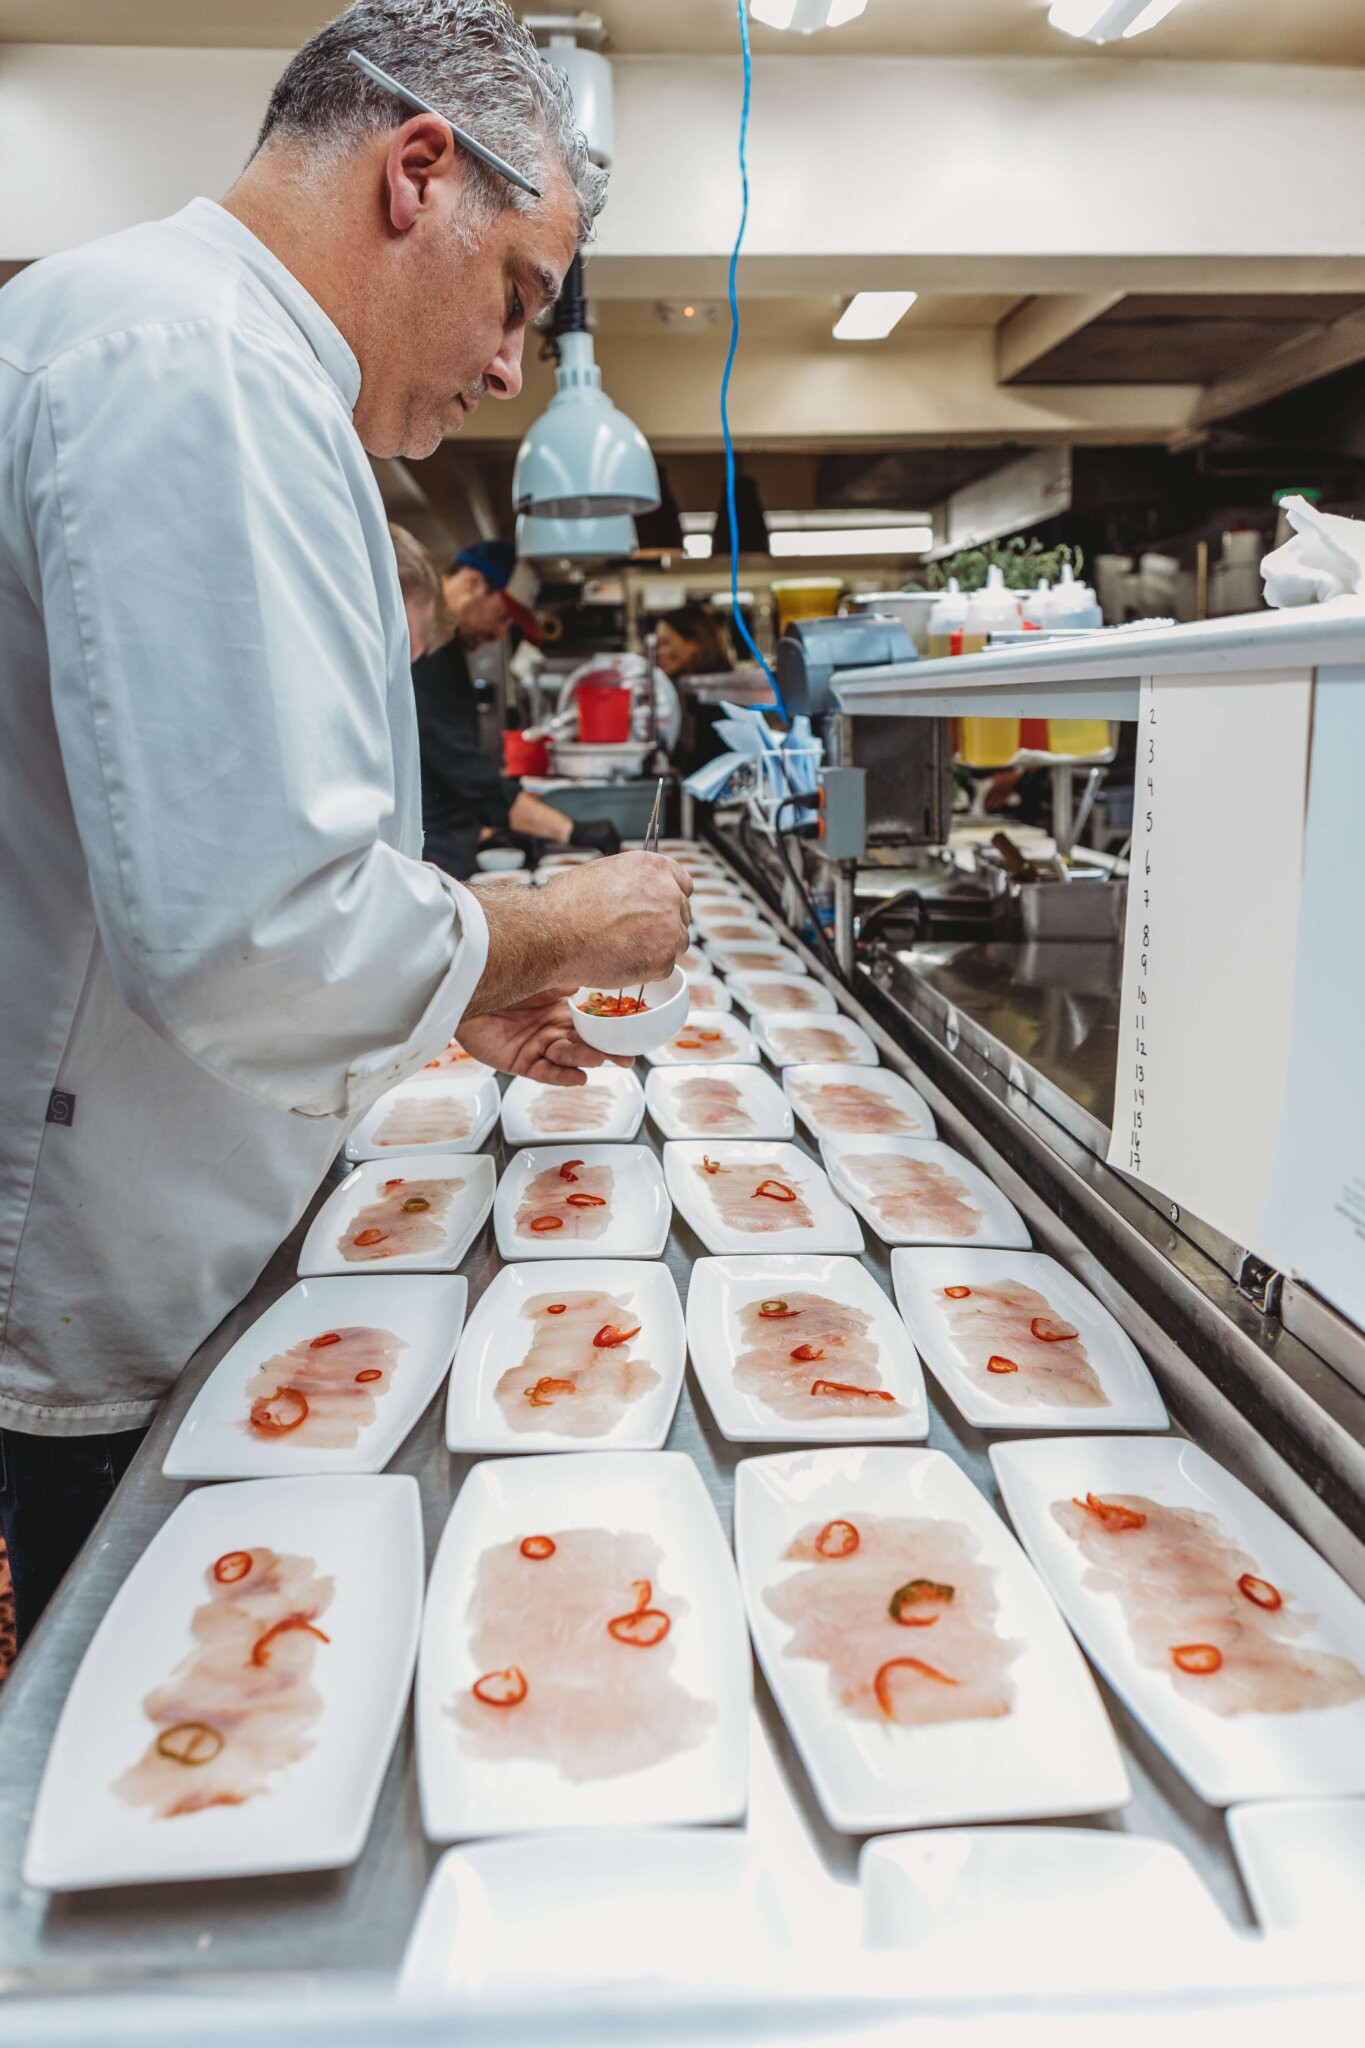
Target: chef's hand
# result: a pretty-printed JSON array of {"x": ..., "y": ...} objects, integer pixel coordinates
[
  {"x": 535, "y": 1038},
  {"x": 625, "y": 919}
]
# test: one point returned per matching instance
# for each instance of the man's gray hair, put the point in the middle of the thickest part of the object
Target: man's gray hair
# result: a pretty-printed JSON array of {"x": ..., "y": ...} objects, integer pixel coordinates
[{"x": 473, "y": 61}]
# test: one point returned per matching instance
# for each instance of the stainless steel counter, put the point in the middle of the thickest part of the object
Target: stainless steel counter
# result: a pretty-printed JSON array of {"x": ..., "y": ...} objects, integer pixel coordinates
[{"x": 359, "y": 1919}]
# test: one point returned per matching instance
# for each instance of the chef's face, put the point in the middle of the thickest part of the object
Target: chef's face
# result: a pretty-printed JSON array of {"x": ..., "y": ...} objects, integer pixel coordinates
[{"x": 673, "y": 653}]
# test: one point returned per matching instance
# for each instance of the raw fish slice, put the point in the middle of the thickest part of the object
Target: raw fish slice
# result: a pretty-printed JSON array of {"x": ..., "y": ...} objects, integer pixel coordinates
[
  {"x": 1178, "y": 1578},
  {"x": 241, "y": 1705},
  {"x": 840, "y": 1609},
  {"x": 813, "y": 1046},
  {"x": 755, "y": 963},
  {"x": 916, "y": 1194},
  {"x": 1009, "y": 1323},
  {"x": 781, "y": 995},
  {"x": 736, "y": 934},
  {"x": 550, "y": 1195},
  {"x": 409, "y": 1217},
  {"x": 426, "y": 1122},
  {"x": 572, "y": 1109},
  {"x": 713, "y": 1106},
  {"x": 322, "y": 1390},
  {"x": 594, "y": 1705},
  {"x": 566, "y": 1384},
  {"x": 734, "y": 1190},
  {"x": 844, "y": 1357},
  {"x": 701, "y": 995},
  {"x": 844, "y": 1106}
]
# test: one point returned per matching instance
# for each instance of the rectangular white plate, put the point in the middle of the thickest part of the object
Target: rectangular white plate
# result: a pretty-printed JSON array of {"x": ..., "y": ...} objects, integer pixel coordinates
[
  {"x": 740, "y": 925},
  {"x": 659, "y": 1494},
  {"x": 763, "y": 993},
  {"x": 697, "y": 1910},
  {"x": 1225, "y": 1757},
  {"x": 707, "y": 992},
  {"x": 525, "y": 1101},
  {"x": 765, "y": 956},
  {"x": 1303, "y": 1863},
  {"x": 363, "y": 1533},
  {"x": 833, "y": 1226},
  {"x": 777, "y": 1037},
  {"x": 497, "y": 1335},
  {"x": 1001, "y": 1223},
  {"x": 475, "y": 1087},
  {"x": 464, "y": 1219},
  {"x": 1054, "y": 1753},
  {"x": 919, "y": 1278},
  {"x": 721, "y": 1288},
  {"x": 640, "y": 1209},
  {"x": 424, "y": 1310},
  {"x": 759, "y": 1096},
  {"x": 738, "y": 1045},
  {"x": 882, "y": 1082}
]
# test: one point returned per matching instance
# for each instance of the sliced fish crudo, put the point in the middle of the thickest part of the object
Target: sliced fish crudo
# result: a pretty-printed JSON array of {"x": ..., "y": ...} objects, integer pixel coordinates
[
  {"x": 846, "y": 1106},
  {"x": 756, "y": 1198},
  {"x": 917, "y": 1195},
  {"x": 808, "y": 1358},
  {"x": 572, "y": 1109},
  {"x": 566, "y": 1201},
  {"x": 408, "y": 1219},
  {"x": 582, "y": 1368},
  {"x": 712, "y": 1105},
  {"x": 322, "y": 1390},
  {"x": 1018, "y": 1347},
  {"x": 426, "y": 1120}
]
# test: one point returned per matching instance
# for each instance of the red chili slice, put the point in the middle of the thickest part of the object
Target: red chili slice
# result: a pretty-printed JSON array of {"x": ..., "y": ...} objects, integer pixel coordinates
[
  {"x": 566, "y": 1171},
  {"x": 609, "y": 1336},
  {"x": 540, "y": 1224},
  {"x": 840, "y": 1387},
  {"x": 546, "y": 1391},
  {"x": 537, "y": 1548},
  {"x": 415, "y": 1204},
  {"x": 776, "y": 1310},
  {"x": 371, "y": 1236},
  {"x": 501, "y": 1688},
  {"x": 709, "y": 1165},
  {"x": 773, "y": 1191},
  {"x": 1052, "y": 1330},
  {"x": 957, "y": 1293},
  {"x": 646, "y": 1626},
  {"x": 837, "y": 1539},
  {"x": 189, "y": 1742},
  {"x": 883, "y": 1690},
  {"x": 232, "y": 1566},
  {"x": 1260, "y": 1592},
  {"x": 371, "y": 1372},
  {"x": 586, "y": 1201},
  {"x": 907, "y": 1602},
  {"x": 303, "y": 1622},
  {"x": 393, "y": 1183},
  {"x": 710, "y": 1037},
  {"x": 807, "y": 1354},
  {"x": 327, "y": 1337},
  {"x": 1111, "y": 1513},
  {"x": 556, "y": 1308},
  {"x": 1199, "y": 1659},
  {"x": 995, "y": 1363},
  {"x": 276, "y": 1414}
]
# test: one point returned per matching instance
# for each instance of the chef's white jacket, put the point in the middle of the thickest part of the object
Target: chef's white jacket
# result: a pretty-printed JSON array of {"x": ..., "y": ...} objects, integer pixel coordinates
[{"x": 219, "y": 943}]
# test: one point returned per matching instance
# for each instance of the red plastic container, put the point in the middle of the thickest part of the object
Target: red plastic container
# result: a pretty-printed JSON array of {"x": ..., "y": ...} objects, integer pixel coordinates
[
  {"x": 603, "y": 713},
  {"x": 521, "y": 756}
]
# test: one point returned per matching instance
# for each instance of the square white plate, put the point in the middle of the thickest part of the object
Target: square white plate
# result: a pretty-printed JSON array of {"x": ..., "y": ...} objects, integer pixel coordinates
[
  {"x": 759, "y": 1096},
  {"x": 766, "y": 956},
  {"x": 695, "y": 1909},
  {"x": 497, "y": 1334},
  {"x": 919, "y": 1278},
  {"x": 722, "y": 1288},
  {"x": 473, "y": 1085},
  {"x": 833, "y": 1226},
  {"x": 640, "y": 1209},
  {"x": 1001, "y": 1223},
  {"x": 1303, "y": 1863},
  {"x": 882, "y": 1082},
  {"x": 781, "y": 1039},
  {"x": 736, "y": 1045},
  {"x": 1225, "y": 1757},
  {"x": 707, "y": 992},
  {"x": 463, "y": 1221},
  {"x": 425, "y": 1311},
  {"x": 365, "y": 1534},
  {"x": 657, "y": 1494},
  {"x": 1054, "y": 1753},
  {"x": 767, "y": 995},
  {"x": 527, "y": 1102}
]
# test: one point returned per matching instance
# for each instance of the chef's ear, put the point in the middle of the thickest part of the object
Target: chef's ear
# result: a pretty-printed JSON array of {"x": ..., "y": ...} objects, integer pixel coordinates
[{"x": 421, "y": 155}]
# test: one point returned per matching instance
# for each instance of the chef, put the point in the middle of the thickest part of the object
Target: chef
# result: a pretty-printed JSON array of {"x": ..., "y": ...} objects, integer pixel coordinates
[{"x": 221, "y": 943}]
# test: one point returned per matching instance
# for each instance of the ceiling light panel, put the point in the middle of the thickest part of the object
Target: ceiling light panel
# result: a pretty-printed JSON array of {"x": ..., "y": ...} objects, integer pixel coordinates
[
  {"x": 852, "y": 540},
  {"x": 806, "y": 16},
  {"x": 1106, "y": 21},
  {"x": 872, "y": 315}
]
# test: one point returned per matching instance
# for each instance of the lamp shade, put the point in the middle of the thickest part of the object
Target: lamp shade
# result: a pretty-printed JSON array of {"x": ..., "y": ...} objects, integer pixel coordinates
[
  {"x": 575, "y": 540},
  {"x": 582, "y": 459}
]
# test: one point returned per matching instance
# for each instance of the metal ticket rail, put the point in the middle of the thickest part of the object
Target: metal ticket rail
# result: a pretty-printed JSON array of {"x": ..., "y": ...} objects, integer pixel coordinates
[{"x": 299, "y": 1929}]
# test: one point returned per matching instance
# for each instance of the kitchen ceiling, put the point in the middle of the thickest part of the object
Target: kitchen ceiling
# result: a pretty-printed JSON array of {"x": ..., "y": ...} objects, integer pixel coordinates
[{"x": 1265, "y": 31}]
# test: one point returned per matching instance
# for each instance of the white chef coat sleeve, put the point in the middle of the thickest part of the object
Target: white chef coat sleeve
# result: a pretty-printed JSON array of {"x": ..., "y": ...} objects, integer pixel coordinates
[{"x": 219, "y": 673}]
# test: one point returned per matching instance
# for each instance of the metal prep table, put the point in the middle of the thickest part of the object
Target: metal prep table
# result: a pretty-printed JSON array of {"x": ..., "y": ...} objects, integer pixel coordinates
[{"x": 298, "y": 1929}]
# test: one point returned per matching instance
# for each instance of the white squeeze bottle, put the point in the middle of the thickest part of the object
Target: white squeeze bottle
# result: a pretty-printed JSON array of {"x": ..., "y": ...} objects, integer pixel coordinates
[
  {"x": 989, "y": 742},
  {"x": 948, "y": 616},
  {"x": 1036, "y": 605},
  {"x": 1075, "y": 605}
]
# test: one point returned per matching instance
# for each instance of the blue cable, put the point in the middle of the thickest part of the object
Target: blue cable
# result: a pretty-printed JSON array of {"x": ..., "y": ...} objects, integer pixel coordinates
[{"x": 740, "y": 627}]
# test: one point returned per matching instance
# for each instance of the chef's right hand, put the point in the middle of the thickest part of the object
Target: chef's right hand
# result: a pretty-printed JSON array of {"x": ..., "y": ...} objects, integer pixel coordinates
[{"x": 626, "y": 918}]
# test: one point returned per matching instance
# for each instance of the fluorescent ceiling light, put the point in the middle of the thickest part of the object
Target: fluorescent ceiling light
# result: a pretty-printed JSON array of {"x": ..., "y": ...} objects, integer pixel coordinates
[
  {"x": 872, "y": 315},
  {"x": 697, "y": 547},
  {"x": 806, "y": 15},
  {"x": 852, "y": 540},
  {"x": 1103, "y": 21}
]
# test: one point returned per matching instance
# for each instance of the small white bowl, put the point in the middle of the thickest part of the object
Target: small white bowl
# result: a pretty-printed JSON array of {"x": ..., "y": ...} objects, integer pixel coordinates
[
  {"x": 500, "y": 860},
  {"x": 665, "y": 1014}
]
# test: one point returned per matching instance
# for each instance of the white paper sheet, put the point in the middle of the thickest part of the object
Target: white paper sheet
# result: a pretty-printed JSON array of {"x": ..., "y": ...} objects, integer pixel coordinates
[
  {"x": 1213, "y": 904},
  {"x": 1314, "y": 1218}
]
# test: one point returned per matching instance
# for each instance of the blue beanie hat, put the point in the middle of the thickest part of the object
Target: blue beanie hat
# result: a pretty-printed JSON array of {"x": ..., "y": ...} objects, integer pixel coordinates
[{"x": 494, "y": 559}]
